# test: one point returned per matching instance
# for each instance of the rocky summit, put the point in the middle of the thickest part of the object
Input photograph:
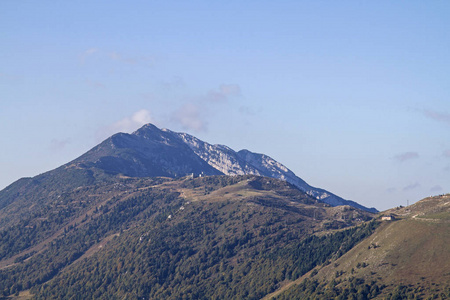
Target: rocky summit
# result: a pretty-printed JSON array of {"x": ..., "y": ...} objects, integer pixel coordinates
[{"x": 150, "y": 151}]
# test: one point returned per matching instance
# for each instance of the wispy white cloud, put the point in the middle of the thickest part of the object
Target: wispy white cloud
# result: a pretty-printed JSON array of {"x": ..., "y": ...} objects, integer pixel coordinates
[
  {"x": 411, "y": 187},
  {"x": 127, "y": 125},
  {"x": 402, "y": 157},
  {"x": 438, "y": 116},
  {"x": 190, "y": 117}
]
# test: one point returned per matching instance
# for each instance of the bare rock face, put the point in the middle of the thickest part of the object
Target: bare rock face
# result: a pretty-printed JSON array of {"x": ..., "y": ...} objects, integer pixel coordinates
[
  {"x": 245, "y": 162},
  {"x": 150, "y": 151}
]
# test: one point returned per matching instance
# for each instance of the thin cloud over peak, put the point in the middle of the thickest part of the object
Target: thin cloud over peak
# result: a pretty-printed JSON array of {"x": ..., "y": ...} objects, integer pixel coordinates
[
  {"x": 195, "y": 112},
  {"x": 190, "y": 117},
  {"x": 127, "y": 125},
  {"x": 136, "y": 120}
]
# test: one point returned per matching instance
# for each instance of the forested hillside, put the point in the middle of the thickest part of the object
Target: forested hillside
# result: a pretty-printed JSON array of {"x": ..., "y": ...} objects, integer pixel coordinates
[{"x": 168, "y": 239}]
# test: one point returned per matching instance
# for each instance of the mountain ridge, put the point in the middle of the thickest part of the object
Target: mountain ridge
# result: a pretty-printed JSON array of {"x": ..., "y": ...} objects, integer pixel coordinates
[{"x": 150, "y": 151}]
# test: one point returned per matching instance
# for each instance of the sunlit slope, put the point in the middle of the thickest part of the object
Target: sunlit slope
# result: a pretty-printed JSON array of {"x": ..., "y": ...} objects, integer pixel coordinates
[{"x": 408, "y": 256}]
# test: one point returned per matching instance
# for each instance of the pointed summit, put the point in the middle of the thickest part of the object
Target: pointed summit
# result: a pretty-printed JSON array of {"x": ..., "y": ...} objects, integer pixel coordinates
[
  {"x": 153, "y": 152},
  {"x": 147, "y": 130},
  {"x": 147, "y": 152}
]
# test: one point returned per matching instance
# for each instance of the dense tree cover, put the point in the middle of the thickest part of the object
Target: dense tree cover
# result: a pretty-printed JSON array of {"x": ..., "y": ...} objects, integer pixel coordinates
[
  {"x": 60, "y": 208},
  {"x": 30, "y": 199},
  {"x": 37, "y": 227},
  {"x": 205, "y": 251},
  {"x": 167, "y": 247},
  {"x": 66, "y": 249},
  {"x": 39, "y": 196},
  {"x": 357, "y": 289}
]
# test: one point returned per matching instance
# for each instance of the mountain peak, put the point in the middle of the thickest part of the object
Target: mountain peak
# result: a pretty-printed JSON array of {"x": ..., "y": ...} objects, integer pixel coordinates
[
  {"x": 150, "y": 151},
  {"x": 147, "y": 129}
]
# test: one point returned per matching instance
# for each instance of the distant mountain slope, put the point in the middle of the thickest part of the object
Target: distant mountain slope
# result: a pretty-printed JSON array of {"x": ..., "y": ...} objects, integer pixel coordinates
[
  {"x": 406, "y": 258},
  {"x": 150, "y": 151}
]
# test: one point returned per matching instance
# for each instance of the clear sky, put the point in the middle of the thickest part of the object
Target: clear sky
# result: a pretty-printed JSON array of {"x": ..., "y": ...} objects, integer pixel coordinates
[{"x": 353, "y": 96}]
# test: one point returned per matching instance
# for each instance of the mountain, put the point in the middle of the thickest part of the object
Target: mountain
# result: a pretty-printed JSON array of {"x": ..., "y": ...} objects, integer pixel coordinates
[
  {"x": 151, "y": 151},
  {"x": 147, "y": 152},
  {"x": 123, "y": 222},
  {"x": 407, "y": 257},
  {"x": 162, "y": 238}
]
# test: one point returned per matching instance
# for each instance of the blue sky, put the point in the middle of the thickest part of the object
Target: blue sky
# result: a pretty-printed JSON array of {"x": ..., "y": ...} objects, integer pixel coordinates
[{"x": 353, "y": 96}]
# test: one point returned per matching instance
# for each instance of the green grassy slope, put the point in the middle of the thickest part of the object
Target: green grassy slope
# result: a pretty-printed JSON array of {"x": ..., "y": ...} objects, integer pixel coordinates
[{"x": 406, "y": 257}]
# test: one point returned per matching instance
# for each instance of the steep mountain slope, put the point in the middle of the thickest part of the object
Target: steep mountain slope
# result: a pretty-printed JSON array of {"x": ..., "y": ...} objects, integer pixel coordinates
[
  {"x": 406, "y": 258},
  {"x": 229, "y": 162},
  {"x": 147, "y": 152},
  {"x": 164, "y": 238},
  {"x": 150, "y": 151}
]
